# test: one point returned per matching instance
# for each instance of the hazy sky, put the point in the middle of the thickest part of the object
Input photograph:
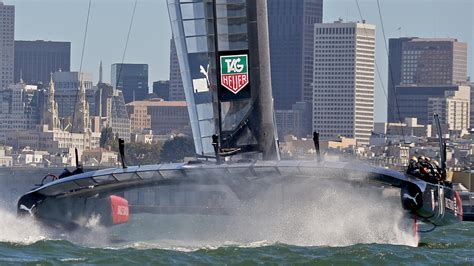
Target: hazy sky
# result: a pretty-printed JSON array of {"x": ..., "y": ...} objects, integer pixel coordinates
[{"x": 64, "y": 20}]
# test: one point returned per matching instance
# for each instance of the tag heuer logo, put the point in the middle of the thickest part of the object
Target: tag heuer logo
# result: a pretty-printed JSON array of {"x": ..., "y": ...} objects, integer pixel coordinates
[{"x": 234, "y": 72}]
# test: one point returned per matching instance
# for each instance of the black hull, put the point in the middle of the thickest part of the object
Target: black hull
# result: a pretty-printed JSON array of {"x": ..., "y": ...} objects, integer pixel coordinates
[{"x": 73, "y": 200}]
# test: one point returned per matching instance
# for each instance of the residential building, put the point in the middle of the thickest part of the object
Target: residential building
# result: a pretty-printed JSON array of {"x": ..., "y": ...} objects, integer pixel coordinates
[
  {"x": 99, "y": 157},
  {"x": 424, "y": 62},
  {"x": 291, "y": 33},
  {"x": 176, "y": 90},
  {"x": 36, "y": 60},
  {"x": 7, "y": 44},
  {"x": 6, "y": 159},
  {"x": 344, "y": 62},
  {"x": 414, "y": 101},
  {"x": 131, "y": 79},
  {"x": 162, "y": 117},
  {"x": 161, "y": 89}
]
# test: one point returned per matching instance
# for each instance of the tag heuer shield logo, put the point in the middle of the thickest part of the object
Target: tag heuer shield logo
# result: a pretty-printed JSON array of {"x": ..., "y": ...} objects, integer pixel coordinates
[{"x": 234, "y": 72}]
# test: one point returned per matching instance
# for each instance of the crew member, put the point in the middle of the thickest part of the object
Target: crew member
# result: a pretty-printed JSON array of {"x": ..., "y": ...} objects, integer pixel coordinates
[{"x": 413, "y": 167}]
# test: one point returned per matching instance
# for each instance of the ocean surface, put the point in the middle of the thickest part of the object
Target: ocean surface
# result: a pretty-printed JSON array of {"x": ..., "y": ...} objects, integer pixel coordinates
[
  {"x": 191, "y": 239},
  {"x": 359, "y": 228},
  {"x": 451, "y": 245}
]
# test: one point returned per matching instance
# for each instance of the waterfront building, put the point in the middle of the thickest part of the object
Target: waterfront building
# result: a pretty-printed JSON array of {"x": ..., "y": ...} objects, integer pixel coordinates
[
  {"x": 6, "y": 159},
  {"x": 176, "y": 90},
  {"x": 162, "y": 117},
  {"x": 161, "y": 89},
  {"x": 28, "y": 130},
  {"x": 131, "y": 79},
  {"x": 7, "y": 44},
  {"x": 67, "y": 86},
  {"x": 414, "y": 101},
  {"x": 99, "y": 157},
  {"x": 36, "y": 60},
  {"x": 344, "y": 63},
  {"x": 424, "y": 62}
]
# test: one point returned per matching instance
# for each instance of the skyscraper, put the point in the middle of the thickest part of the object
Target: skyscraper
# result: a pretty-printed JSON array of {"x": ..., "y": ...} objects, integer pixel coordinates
[
  {"x": 291, "y": 31},
  {"x": 161, "y": 89},
  {"x": 66, "y": 86},
  {"x": 424, "y": 62},
  {"x": 131, "y": 79},
  {"x": 110, "y": 106},
  {"x": 7, "y": 44},
  {"x": 417, "y": 101},
  {"x": 36, "y": 60},
  {"x": 176, "y": 90},
  {"x": 344, "y": 63}
]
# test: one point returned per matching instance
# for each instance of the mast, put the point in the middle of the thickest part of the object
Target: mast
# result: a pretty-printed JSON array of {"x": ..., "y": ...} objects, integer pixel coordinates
[{"x": 266, "y": 138}]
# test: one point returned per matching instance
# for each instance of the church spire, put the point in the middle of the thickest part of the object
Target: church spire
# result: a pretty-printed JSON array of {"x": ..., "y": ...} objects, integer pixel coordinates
[
  {"x": 100, "y": 72},
  {"x": 50, "y": 113},
  {"x": 81, "y": 123}
]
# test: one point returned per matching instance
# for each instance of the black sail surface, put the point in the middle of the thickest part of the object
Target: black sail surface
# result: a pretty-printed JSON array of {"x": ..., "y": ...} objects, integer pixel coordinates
[{"x": 224, "y": 59}]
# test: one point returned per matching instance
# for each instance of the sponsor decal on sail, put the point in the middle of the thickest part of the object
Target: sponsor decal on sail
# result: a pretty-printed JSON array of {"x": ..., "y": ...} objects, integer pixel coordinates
[{"x": 234, "y": 72}]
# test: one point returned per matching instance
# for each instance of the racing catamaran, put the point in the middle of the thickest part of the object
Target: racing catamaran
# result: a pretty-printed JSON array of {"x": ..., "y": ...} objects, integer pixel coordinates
[{"x": 225, "y": 66}]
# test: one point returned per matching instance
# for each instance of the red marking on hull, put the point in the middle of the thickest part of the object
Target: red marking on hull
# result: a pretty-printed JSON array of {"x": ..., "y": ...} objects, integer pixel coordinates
[{"x": 120, "y": 209}]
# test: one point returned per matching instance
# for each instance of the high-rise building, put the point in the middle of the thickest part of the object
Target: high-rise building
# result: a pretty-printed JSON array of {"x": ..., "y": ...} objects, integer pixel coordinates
[
  {"x": 417, "y": 101},
  {"x": 131, "y": 79},
  {"x": 110, "y": 106},
  {"x": 161, "y": 89},
  {"x": 424, "y": 62},
  {"x": 67, "y": 86},
  {"x": 344, "y": 62},
  {"x": 176, "y": 90},
  {"x": 36, "y": 60},
  {"x": 7, "y": 44},
  {"x": 471, "y": 106},
  {"x": 291, "y": 32},
  {"x": 19, "y": 109},
  {"x": 453, "y": 108},
  {"x": 295, "y": 121}
]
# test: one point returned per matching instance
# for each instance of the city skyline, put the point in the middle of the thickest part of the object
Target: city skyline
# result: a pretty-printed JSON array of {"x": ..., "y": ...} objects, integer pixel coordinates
[{"x": 107, "y": 30}]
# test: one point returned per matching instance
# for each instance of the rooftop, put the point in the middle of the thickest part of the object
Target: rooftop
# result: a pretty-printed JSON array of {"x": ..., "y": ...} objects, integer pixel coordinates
[{"x": 158, "y": 102}]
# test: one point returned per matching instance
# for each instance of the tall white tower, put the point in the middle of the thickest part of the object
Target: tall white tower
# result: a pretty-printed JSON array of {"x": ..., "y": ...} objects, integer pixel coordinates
[
  {"x": 50, "y": 113},
  {"x": 7, "y": 42},
  {"x": 343, "y": 87},
  {"x": 81, "y": 122}
]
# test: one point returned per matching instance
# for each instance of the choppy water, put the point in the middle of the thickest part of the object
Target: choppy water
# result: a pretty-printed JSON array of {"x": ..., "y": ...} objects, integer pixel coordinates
[
  {"x": 453, "y": 245},
  {"x": 183, "y": 239},
  {"x": 317, "y": 227}
]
